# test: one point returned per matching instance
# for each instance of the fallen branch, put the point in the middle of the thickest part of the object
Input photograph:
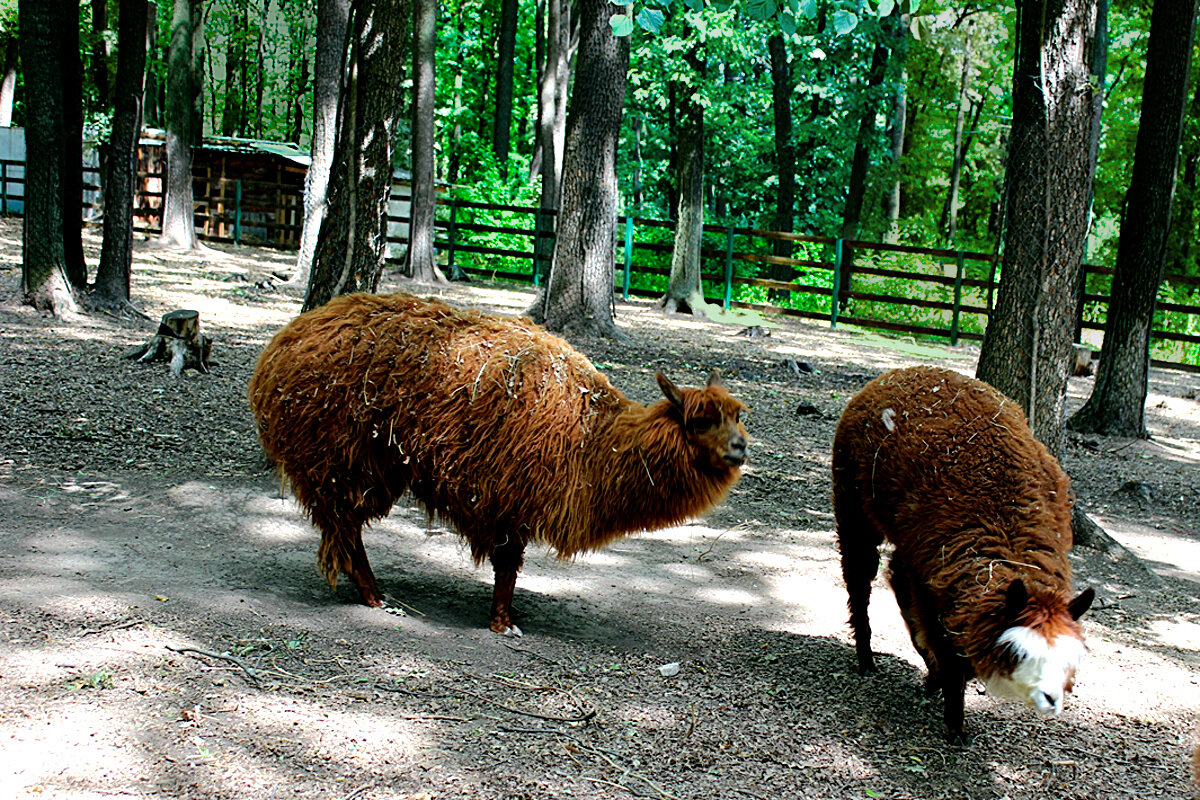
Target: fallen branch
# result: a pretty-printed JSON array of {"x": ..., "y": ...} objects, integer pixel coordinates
[
  {"x": 237, "y": 662},
  {"x": 578, "y": 718}
]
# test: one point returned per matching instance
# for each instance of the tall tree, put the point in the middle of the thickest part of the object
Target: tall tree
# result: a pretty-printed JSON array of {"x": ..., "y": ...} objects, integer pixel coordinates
[
  {"x": 785, "y": 152},
  {"x": 502, "y": 129},
  {"x": 71, "y": 67},
  {"x": 332, "y": 17},
  {"x": 578, "y": 296},
  {"x": 685, "y": 293},
  {"x": 44, "y": 283},
  {"x": 420, "y": 257},
  {"x": 353, "y": 236},
  {"x": 856, "y": 191},
  {"x": 135, "y": 24},
  {"x": 1027, "y": 344},
  {"x": 178, "y": 213},
  {"x": 1117, "y": 405}
]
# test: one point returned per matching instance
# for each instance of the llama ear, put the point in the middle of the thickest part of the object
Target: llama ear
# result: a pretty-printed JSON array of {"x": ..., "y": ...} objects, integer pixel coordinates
[
  {"x": 1016, "y": 597},
  {"x": 714, "y": 378},
  {"x": 1077, "y": 607},
  {"x": 670, "y": 390}
]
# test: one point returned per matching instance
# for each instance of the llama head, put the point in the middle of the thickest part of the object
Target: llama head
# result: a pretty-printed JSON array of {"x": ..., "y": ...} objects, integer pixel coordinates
[
  {"x": 1041, "y": 648},
  {"x": 711, "y": 420}
]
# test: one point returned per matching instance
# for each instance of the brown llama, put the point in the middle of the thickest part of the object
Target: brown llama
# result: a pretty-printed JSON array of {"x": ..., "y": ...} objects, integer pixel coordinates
[
  {"x": 494, "y": 425},
  {"x": 945, "y": 468}
]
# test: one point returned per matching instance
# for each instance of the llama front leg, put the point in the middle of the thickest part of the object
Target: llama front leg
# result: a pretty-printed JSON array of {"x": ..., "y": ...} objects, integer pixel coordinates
[
  {"x": 915, "y": 609},
  {"x": 506, "y": 561}
]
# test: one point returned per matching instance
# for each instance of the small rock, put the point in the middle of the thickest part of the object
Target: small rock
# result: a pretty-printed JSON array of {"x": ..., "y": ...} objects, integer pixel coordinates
[
  {"x": 1137, "y": 489},
  {"x": 1091, "y": 442},
  {"x": 807, "y": 410},
  {"x": 669, "y": 670}
]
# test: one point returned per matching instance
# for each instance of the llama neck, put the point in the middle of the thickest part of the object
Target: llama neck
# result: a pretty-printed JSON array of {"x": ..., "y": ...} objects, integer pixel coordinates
[{"x": 650, "y": 475}]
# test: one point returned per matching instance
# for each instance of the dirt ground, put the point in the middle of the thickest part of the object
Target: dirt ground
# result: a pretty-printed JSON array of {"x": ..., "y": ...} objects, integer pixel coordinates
[{"x": 164, "y": 631}]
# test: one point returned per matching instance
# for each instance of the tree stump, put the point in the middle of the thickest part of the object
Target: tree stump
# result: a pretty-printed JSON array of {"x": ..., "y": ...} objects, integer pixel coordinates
[{"x": 179, "y": 341}]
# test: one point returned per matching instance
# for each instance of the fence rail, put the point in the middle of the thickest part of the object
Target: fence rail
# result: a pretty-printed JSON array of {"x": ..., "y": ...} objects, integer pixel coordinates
[
  {"x": 933, "y": 292},
  {"x": 907, "y": 289}
]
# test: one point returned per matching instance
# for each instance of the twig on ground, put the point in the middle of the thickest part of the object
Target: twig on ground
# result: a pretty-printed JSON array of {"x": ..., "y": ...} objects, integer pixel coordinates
[
  {"x": 237, "y": 662},
  {"x": 538, "y": 656},
  {"x": 360, "y": 790},
  {"x": 114, "y": 626},
  {"x": 749, "y": 793},
  {"x": 584, "y": 717}
]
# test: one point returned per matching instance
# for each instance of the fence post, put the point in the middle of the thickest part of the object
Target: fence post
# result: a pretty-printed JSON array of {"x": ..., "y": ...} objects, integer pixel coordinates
[
  {"x": 837, "y": 283},
  {"x": 728, "y": 267},
  {"x": 452, "y": 234},
  {"x": 537, "y": 245},
  {"x": 3, "y": 187},
  {"x": 1079, "y": 305},
  {"x": 628, "y": 254},
  {"x": 958, "y": 281},
  {"x": 237, "y": 212}
]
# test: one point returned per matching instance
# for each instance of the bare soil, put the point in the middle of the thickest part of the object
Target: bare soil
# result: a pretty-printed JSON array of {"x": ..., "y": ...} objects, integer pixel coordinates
[{"x": 164, "y": 631}]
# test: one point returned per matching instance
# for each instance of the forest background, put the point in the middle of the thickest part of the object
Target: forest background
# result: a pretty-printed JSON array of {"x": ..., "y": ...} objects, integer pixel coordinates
[{"x": 946, "y": 93}]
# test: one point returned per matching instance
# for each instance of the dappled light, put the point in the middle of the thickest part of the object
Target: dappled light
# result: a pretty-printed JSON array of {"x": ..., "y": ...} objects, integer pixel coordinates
[{"x": 165, "y": 629}]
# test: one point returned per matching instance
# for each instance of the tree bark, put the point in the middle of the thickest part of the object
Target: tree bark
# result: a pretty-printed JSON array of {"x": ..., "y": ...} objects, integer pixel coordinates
[
  {"x": 44, "y": 283},
  {"x": 328, "y": 70},
  {"x": 1026, "y": 350},
  {"x": 502, "y": 129},
  {"x": 578, "y": 297},
  {"x": 1117, "y": 405},
  {"x": 100, "y": 53},
  {"x": 353, "y": 236},
  {"x": 72, "y": 143},
  {"x": 785, "y": 156},
  {"x": 685, "y": 294},
  {"x": 420, "y": 259},
  {"x": 135, "y": 24},
  {"x": 179, "y": 223}
]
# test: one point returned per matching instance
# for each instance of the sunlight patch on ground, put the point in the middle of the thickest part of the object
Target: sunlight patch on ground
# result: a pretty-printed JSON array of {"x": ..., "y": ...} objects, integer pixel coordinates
[
  {"x": 1166, "y": 551},
  {"x": 1173, "y": 691},
  {"x": 1181, "y": 633}
]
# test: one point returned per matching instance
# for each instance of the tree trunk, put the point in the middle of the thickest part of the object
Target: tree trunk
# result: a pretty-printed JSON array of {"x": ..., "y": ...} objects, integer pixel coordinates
[
  {"x": 353, "y": 236},
  {"x": 562, "y": 86},
  {"x": 260, "y": 74},
  {"x": 72, "y": 143},
  {"x": 578, "y": 297},
  {"x": 895, "y": 134},
  {"x": 8, "y": 84},
  {"x": 44, "y": 283},
  {"x": 785, "y": 157},
  {"x": 949, "y": 221},
  {"x": 178, "y": 213},
  {"x": 1117, "y": 404},
  {"x": 328, "y": 69},
  {"x": 857, "y": 189},
  {"x": 685, "y": 294},
  {"x": 100, "y": 53},
  {"x": 421, "y": 264},
  {"x": 1027, "y": 347},
  {"x": 116, "y": 250},
  {"x": 502, "y": 130}
]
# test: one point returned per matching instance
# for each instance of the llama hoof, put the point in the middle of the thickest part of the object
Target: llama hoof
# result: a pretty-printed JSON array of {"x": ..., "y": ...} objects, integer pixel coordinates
[
  {"x": 960, "y": 739},
  {"x": 512, "y": 632}
]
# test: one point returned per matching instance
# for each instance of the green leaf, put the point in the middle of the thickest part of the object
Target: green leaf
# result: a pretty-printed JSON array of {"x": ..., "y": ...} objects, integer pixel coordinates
[
  {"x": 695, "y": 5},
  {"x": 788, "y": 23},
  {"x": 808, "y": 8},
  {"x": 760, "y": 9},
  {"x": 886, "y": 7},
  {"x": 622, "y": 24},
  {"x": 844, "y": 21},
  {"x": 722, "y": 5},
  {"x": 651, "y": 19}
]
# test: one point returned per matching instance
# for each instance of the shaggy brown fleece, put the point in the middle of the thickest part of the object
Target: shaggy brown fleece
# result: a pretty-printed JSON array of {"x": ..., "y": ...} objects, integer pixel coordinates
[
  {"x": 493, "y": 424},
  {"x": 946, "y": 469}
]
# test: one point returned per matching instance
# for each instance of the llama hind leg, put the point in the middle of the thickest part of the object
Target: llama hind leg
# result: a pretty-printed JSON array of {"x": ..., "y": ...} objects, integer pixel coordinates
[
  {"x": 342, "y": 551},
  {"x": 859, "y": 546},
  {"x": 506, "y": 561}
]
